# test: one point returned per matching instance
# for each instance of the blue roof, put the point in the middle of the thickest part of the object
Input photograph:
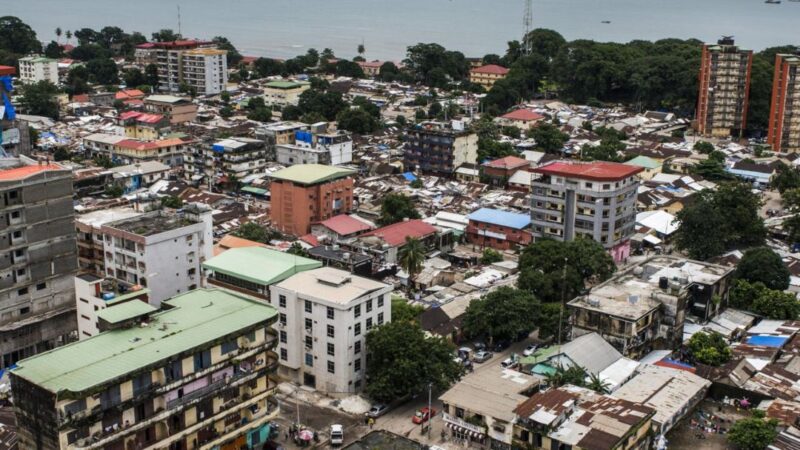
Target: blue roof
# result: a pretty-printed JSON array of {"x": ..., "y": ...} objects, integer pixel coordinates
[
  {"x": 503, "y": 218},
  {"x": 409, "y": 176},
  {"x": 768, "y": 341}
]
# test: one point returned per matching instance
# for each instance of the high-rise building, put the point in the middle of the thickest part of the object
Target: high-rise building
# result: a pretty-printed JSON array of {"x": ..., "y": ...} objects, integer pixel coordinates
[
  {"x": 439, "y": 148},
  {"x": 784, "y": 114},
  {"x": 38, "y": 258},
  {"x": 724, "y": 89},
  {"x": 197, "y": 64},
  {"x": 198, "y": 374},
  {"x": 595, "y": 200},
  {"x": 33, "y": 69}
]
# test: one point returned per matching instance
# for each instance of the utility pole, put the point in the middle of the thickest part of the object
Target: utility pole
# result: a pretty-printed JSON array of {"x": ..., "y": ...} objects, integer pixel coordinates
[
  {"x": 430, "y": 414},
  {"x": 563, "y": 299},
  {"x": 179, "y": 20},
  {"x": 527, "y": 21}
]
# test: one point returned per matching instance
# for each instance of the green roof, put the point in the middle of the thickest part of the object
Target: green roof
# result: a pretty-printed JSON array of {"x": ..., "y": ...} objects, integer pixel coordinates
[
  {"x": 126, "y": 296},
  {"x": 259, "y": 265},
  {"x": 125, "y": 311},
  {"x": 644, "y": 161},
  {"x": 311, "y": 173},
  {"x": 285, "y": 84},
  {"x": 196, "y": 318},
  {"x": 254, "y": 190}
]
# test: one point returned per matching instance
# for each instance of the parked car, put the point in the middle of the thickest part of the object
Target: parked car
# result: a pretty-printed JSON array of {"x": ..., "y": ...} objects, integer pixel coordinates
[
  {"x": 501, "y": 345},
  {"x": 464, "y": 352},
  {"x": 529, "y": 350},
  {"x": 377, "y": 410},
  {"x": 479, "y": 345},
  {"x": 337, "y": 434},
  {"x": 508, "y": 362},
  {"x": 482, "y": 356},
  {"x": 423, "y": 415}
]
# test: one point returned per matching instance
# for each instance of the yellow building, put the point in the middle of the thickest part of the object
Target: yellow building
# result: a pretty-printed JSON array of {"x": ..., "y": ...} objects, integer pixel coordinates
[
  {"x": 487, "y": 75},
  {"x": 282, "y": 93}
]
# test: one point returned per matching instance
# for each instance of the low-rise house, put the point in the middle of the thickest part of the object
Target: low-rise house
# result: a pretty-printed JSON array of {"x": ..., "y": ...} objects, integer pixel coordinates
[
  {"x": 524, "y": 119},
  {"x": 521, "y": 181},
  {"x": 123, "y": 150},
  {"x": 468, "y": 173},
  {"x": 176, "y": 109},
  {"x": 590, "y": 352},
  {"x": 487, "y": 75},
  {"x": 501, "y": 230},
  {"x": 339, "y": 258},
  {"x": 143, "y": 126},
  {"x": 651, "y": 166},
  {"x": 384, "y": 244},
  {"x": 759, "y": 175},
  {"x": 339, "y": 228},
  {"x": 140, "y": 175},
  {"x": 499, "y": 171}
]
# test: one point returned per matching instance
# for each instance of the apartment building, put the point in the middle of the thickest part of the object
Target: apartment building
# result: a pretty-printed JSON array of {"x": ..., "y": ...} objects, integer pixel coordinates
[
  {"x": 91, "y": 253},
  {"x": 724, "y": 89},
  {"x": 594, "y": 200},
  {"x": 33, "y": 69},
  {"x": 227, "y": 161},
  {"x": 198, "y": 64},
  {"x": 282, "y": 93},
  {"x": 331, "y": 149},
  {"x": 487, "y": 75},
  {"x": 16, "y": 134},
  {"x": 176, "y": 109},
  {"x": 278, "y": 133},
  {"x": 38, "y": 259},
  {"x": 124, "y": 150},
  {"x": 143, "y": 126},
  {"x": 196, "y": 375},
  {"x": 784, "y": 114},
  {"x": 324, "y": 315},
  {"x": 644, "y": 307},
  {"x": 94, "y": 294},
  {"x": 439, "y": 148},
  {"x": 498, "y": 229},
  {"x": 304, "y": 194},
  {"x": 160, "y": 250}
]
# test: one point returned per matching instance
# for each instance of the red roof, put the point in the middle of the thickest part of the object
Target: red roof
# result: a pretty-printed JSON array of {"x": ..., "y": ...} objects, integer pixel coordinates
[
  {"x": 172, "y": 44},
  {"x": 396, "y": 233},
  {"x": 133, "y": 144},
  {"x": 141, "y": 117},
  {"x": 309, "y": 239},
  {"x": 7, "y": 70},
  {"x": 509, "y": 162},
  {"x": 490, "y": 69},
  {"x": 19, "y": 173},
  {"x": 525, "y": 115},
  {"x": 345, "y": 225},
  {"x": 80, "y": 98},
  {"x": 129, "y": 93},
  {"x": 599, "y": 171}
]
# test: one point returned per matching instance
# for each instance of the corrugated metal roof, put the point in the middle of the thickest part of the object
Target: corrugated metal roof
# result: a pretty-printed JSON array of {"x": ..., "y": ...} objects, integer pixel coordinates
[
  {"x": 259, "y": 265},
  {"x": 311, "y": 173},
  {"x": 502, "y": 218}
]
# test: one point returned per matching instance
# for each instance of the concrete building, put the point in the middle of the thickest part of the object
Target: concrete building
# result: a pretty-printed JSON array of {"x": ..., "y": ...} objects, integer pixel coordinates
[
  {"x": 497, "y": 172},
  {"x": 198, "y": 64},
  {"x": 305, "y": 194},
  {"x": 136, "y": 176},
  {"x": 33, "y": 69},
  {"x": 644, "y": 307},
  {"x": 724, "y": 89},
  {"x": 524, "y": 119},
  {"x": 278, "y": 133},
  {"x": 339, "y": 228},
  {"x": 283, "y": 93},
  {"x": 331, "y": 149},
  {"x": 123, "y": 150},
  {"x": 197, "y": 375},
  {"x": 94, "y": 294},
  {"x": 160, "y": 250},
  {"x": 487, "y": 75},
  {"x": 595, "y": 200},
  {"x": 226, "y": 161},
  {"x": 324, "y": 315},
  {"x": 497, "y": 229},
  {"x": 784, "y": 113},
  {"x": 176, "y": 109},
  {"x": 91, "y": 253},
  {"x": 650, "y": 167},
  {"x": 439, "y": 148},
  {"x": 252, "y": 270},
  {"x": 38, "y": 259},
  {"x": 385, "y": 244}
]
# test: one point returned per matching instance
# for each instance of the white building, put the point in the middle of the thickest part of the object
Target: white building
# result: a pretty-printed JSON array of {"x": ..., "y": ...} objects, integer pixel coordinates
[
  {"x": 33, "y": 69},
  {"x": 310, "y": 148},
  {"x": 205, "y": 69},
  {"x": 94, "y": 294},
  {"x": 324, "y": 315},
  {"x": 235, "y": 157},
  {"x": 159, "y": 250},
  {"x": 283, "y": 92}
]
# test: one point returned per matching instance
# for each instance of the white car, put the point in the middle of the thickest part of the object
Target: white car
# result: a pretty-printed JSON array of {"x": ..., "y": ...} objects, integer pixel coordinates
[
  {"x": 508, "y": 362},
  {"x": 337, "y": 434},
  {"x": 530, "y": 350}
]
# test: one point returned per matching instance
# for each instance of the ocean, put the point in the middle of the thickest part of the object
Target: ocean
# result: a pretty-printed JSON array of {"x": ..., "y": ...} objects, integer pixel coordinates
[{"x": 285, "y": 28}]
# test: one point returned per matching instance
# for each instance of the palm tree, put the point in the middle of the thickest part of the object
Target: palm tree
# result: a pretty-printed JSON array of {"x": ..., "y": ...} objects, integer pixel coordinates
[
  {"x": 412, "y": 255},
  {"x": 597, "y": 384},
  {"x": 58, "y": 35},
  {"x": 361, "y": 49},
  {"x": 68, "y": 34}
]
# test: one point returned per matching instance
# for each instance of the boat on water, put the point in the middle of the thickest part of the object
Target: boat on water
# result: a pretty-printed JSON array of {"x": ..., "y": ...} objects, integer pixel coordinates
[
  {"x": 608, "y": 21},
  {"x": 773, "y": 2}
]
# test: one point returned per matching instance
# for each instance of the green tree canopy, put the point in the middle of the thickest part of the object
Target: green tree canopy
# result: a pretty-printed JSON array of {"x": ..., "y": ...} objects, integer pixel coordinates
[
  {"x": 395, "y": 208},
  {"x": 435, "y": 66},
  {"x": 40, "y": 99},
  {"x": 610, "y": 149},
  {"x": 171, "y": 201},
  {"x": 103, "y": 71},
  {"x": 786, "y": 178},
  {"x": 402, "y": 361},
  {"x": 503, "y": 314},
  {"x": 297, "y": 249},
  {"x": 358, "y": 120},
  {"x": 764, "y": 265},
  {"x": 548, "y": 322},
  {"x": 345, "y": 68},
  {"x": 17, "y": 37},
  {"x": 402, "y": 311},
  {"x": 709, "y": 348},
  {"x": 753, "y": 433},
  {"x": 412, "y": 255},
  {"x": 491, "y": 256},
  {"x": 253, "y": 232},
  {"x": 549, "y": 138},
  {"x": 233, "y": 56},
  {"x": 704, "y": 147}
]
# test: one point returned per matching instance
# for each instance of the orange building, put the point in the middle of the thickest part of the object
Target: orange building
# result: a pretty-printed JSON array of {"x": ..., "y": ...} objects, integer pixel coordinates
[
  {"x": 304, "y": 194},
  {"x": 784, "y": 114},
  {"x": 487, "y": 75},
  {"x": 724, "y": 89}
]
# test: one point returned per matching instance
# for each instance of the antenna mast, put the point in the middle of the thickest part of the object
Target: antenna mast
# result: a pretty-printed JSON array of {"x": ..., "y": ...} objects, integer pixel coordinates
[
  {"x": 528, "y": 22},
  {"x": 179, "y": 21}
]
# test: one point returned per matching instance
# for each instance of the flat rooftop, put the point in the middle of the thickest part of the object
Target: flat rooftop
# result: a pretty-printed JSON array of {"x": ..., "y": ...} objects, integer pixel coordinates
[
  {"x": 149, "y": 224},
  {"x": 311, "y": 173},
  {"x": 259, "y": 265},
  {"x": 197, "y": 318},
  {"x": 104, "y": 216},
  {"x": 598, "y": 171},
  {"x": 331, "y": 285},
  {"x": 25, "y": 171},
  {"x": 493, "y": 392}
]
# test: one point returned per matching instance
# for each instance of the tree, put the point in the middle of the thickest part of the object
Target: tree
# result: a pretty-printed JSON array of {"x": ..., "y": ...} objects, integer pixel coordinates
[
  {"x": 151, "y": 74},
  {"x": 58, "y": 34},
  {"x": 357, "y": 120},
  {"x": 490, "y": 149},
  {"x": 548, "y": 322},
  {"x": 233, "y": 56},
  {"x": 172, "y": 201},
  {"x": 297, "y": 250},
  {"x": 326, "y": 104},
  {"x": 542, "y": 268},
  {"x": 609, "y": 149},
  {"x": 61, "y": 154},
  {"x": 502, "y": 315},
  {"x": 597, "y": 384},
  {"x": 753, "y": 433},
  {"x": 395, "y": 208},
  {"x": 77, "y": 80},
  {"x": 103, "y": 161},
  {"x": 435, "y": 66},
  {"x": 403, "y": 361},
  {"x": 574, "y": 375},
  {"x": 134, "y": 77},
  {"x": 764, "y": 265},
  {"x": 68, "y": 35},
  {"x": 53, "y": 50},
  {"x": 776, "y": 305},
  {"x": 103, "y": 71},
  {"x": 389, "y": 72},
  {"x": 266, "y": 67},
  {"x": 786, "y": 178},
  {"x": 491, "y": 256},
  {"x": 39, "y": 99},
  {"x": 361, "y": 49},
  {"x": 402, "y": 311},
  {"x": 114, "y": 191},
  {"x": 416, "y": 184},
  {"x": 349, "y": 69},
  {"x": 226, "y": 112},
  {"x": 166, "y": 35},
  {"x": 253, "y": 232},
  {"x": 549, "y": 138},
  {"x": 712, "y": 169},
  {"x": 17, "y": 37},
  {"x": 704, "y": 147},
  {"x": 709, "y": 348},
  {"x": 731, "y": 211},
  {"x": 412, "y": 255}
]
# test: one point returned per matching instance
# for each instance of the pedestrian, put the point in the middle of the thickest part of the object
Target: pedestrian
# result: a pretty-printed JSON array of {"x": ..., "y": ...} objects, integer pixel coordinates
[{"x": 371, "y": 422}]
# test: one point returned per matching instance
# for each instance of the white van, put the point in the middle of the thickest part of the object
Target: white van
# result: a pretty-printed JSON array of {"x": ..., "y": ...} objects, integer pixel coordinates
[{"x": 337, "y": 434}]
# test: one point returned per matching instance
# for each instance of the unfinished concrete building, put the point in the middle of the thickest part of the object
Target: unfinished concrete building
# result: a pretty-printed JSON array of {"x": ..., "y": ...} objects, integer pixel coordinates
[{"x": 38, "y": 258}]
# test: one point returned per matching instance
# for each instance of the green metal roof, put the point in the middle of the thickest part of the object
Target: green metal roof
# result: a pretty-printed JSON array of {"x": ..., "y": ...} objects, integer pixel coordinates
[
  {"x": 259, "y": 265},
  {"x": 285, "y": 84},
  {"x": 255, "y": 190},
  {"x": 644, "y": 161},
  {"x": 198, "y": 317},
  {"x": 125, "y": 311},
  {"x": 311, "y": 173},
  {"x": 126, "y": 296}
]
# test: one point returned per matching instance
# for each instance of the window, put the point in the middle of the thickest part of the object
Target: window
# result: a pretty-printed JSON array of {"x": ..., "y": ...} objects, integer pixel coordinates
[
  {"x": 141, "y": 383},
  {"x": 330, "y": 331},
  {"x": 357, "y": 365},
  {"x": 174, "y": 370},
  {"x": 23, "y": 291},
  {"x": 308, "y": 306},
  {"x": 330, "y": 313},
  {"x": 75, "y": 407},
  {"x": 229, "y": 346},
  {"x": 282, "y": 319},
  {"x": 357, "y": 311},
  {"x": 357, "y": 329},
  {"x": 369, "y": 305},
  {"x": 331, "y": 367},
  {"x": 110, "y": 397},
  {"x": 309, "y": 360},
  {"x": 24, "y": 310},
  {"x": 369, "y": 323},
  {"x": 309, "y": 342},
  {"x": 282, "y": 301},
  {"x": 357, "y": 347},
  {"x": 380, "y": 318},
  {"x": 202, "y": 360},
  {"x": 381, "y": 299},
  {"x": 284, "y": 355},
  {"x": 331, "y": 349},
  {"x": 283, "y": 337},
  {"x": 309, "y": 325}
]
